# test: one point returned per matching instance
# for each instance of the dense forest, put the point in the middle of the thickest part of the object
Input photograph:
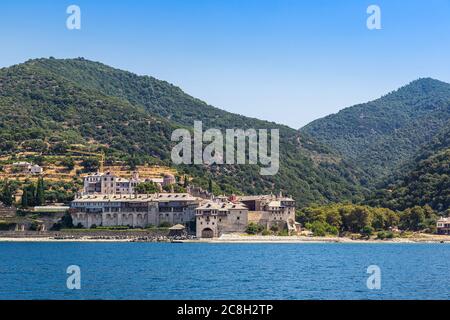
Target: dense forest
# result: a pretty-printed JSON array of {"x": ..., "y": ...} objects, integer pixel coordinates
[
  {"x": 401, "y": 142},
  {"x": 383, "y": 135},
  {"x": 423, "y": 181}
]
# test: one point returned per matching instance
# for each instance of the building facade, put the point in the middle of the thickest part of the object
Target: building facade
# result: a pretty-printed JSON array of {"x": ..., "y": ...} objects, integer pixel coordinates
[
  {"x": 109, "y": 183},
  {"x": 28, "y": 168},
  {"x": 271, "y": 211},
  {"x": 108, "y": 200},
  {"x": 214, "y": 218},
  {"x": 133, "y": 210},
  {"x": 443, "y": 226}
]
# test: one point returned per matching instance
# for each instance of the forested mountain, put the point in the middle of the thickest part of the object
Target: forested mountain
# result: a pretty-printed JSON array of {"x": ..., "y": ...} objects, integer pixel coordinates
[
  {"x": 383, "y": 135},
  {"x": 157, "y": 97},
  {"x": 40, "y": 112},
  {"x": 426, "y": 181},
  {"x": 48, "y": 104}
]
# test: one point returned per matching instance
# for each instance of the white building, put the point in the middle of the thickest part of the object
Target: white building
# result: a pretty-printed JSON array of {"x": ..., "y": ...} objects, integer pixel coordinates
[
  {"x": 443, "y": 226},
  {"x": 28, "y": 168},
  {"x": 35, "y": 169},
  {"x": 109, "y": 183}
]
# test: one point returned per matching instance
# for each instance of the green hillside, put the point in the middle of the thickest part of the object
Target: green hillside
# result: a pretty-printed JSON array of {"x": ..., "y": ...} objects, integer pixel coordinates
[
  {"x": 385, "y": 134},
  {"x": 427, "y": 181},
  {"x": 48, "y": 104},
  {"x": 157, "y": 97},
  {"x": 40, "y": 112}
]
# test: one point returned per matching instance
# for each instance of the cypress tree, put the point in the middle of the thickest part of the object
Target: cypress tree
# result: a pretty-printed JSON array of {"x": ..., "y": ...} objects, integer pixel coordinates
[
  {"x": 7, "y": 195},
  {"x": 210, "y": 186},
  {"x": 40, "y": 195},
  {"x": 25, "y": 198}
]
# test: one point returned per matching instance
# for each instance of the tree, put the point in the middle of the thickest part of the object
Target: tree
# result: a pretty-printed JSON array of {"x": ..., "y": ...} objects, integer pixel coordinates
[
  {"x": 413, "y": 219},
  {"x": 65, "y": 222},
  {"x": 378, "y": 219},
  {"x": 178, "y": 189},
  {"x": 24, "y": 202},
  {"x": 29, "y": 192},
  {"x": 37, "y": 145},
  {"x": 333, "y": 218},
  {"x": 321, "y": 228},
  {"x": 132, "y": 163},
  {"x": 210, "y": 186},
  {"x": 59, "y": 148},
  {"x": 90, "y": 165},
  {"x": 40, "y": 192},
  {"x": 318, "y": 228},
  {"x": 146, "y": 187},
  {"x": 356, "y": 218},
  {"x": 7, "y": 194},
  {"x": 69, "y": 163},
  {"x": 447, "y": 213}
]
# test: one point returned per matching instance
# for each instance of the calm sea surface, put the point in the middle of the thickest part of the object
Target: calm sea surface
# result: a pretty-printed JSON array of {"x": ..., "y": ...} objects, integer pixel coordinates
[{"x": 224, "y": 271}]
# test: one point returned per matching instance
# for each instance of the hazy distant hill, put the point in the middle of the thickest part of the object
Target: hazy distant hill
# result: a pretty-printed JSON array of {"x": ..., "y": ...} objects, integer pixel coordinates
[
  {"x": 385, "y": 134},
  {"x": 46, "y": 104}
]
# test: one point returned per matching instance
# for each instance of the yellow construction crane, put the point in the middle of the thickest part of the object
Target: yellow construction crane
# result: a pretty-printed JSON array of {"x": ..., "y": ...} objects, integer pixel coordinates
[{"x": 100, "y": 155}]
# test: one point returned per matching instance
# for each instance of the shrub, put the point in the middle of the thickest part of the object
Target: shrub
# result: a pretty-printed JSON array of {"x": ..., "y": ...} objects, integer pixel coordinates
[
  {"x": 385, "y": 235},
  {"x": 56, "y": 227},
  {"x": 5, "y": 226},
  {"x": 332, "y": 230},
  {"x": 254, "y": 228},
  {"x": 69, "y": 163},
  {"x": 318, "y": 228},
  {"x": 367, "y": 231},
  {"x": 390, "y": 235},
  {"x": 66, "y": 221},
  {"x": 33, "y": 226},
  {"x": 21, "y": 213},
  {"x": 274, "y": 228},
  {"x": 113, "y": 228},
  {"x": 381, "y": 235},
  {"x": 90, "y": 165},
  {"x": 165, "y": 225}
]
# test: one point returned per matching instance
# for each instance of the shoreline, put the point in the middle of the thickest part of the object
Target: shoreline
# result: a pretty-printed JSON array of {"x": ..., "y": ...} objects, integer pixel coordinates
[
  {"x": 237, "y": 239},
  {"x": 312, "y": 240},
  {"x": 52, "y": 239}
]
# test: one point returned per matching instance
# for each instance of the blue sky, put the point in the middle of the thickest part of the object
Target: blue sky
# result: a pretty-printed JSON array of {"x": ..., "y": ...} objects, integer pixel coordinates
[{"x": 288, "y": 61}]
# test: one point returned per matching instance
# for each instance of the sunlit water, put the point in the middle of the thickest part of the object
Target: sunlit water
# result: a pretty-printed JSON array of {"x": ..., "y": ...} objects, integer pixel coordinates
[{"x": 224, "y": 271}]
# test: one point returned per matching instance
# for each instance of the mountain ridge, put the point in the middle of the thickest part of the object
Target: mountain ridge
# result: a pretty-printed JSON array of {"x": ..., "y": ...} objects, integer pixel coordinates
[{"x": 382, "y": 135}]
